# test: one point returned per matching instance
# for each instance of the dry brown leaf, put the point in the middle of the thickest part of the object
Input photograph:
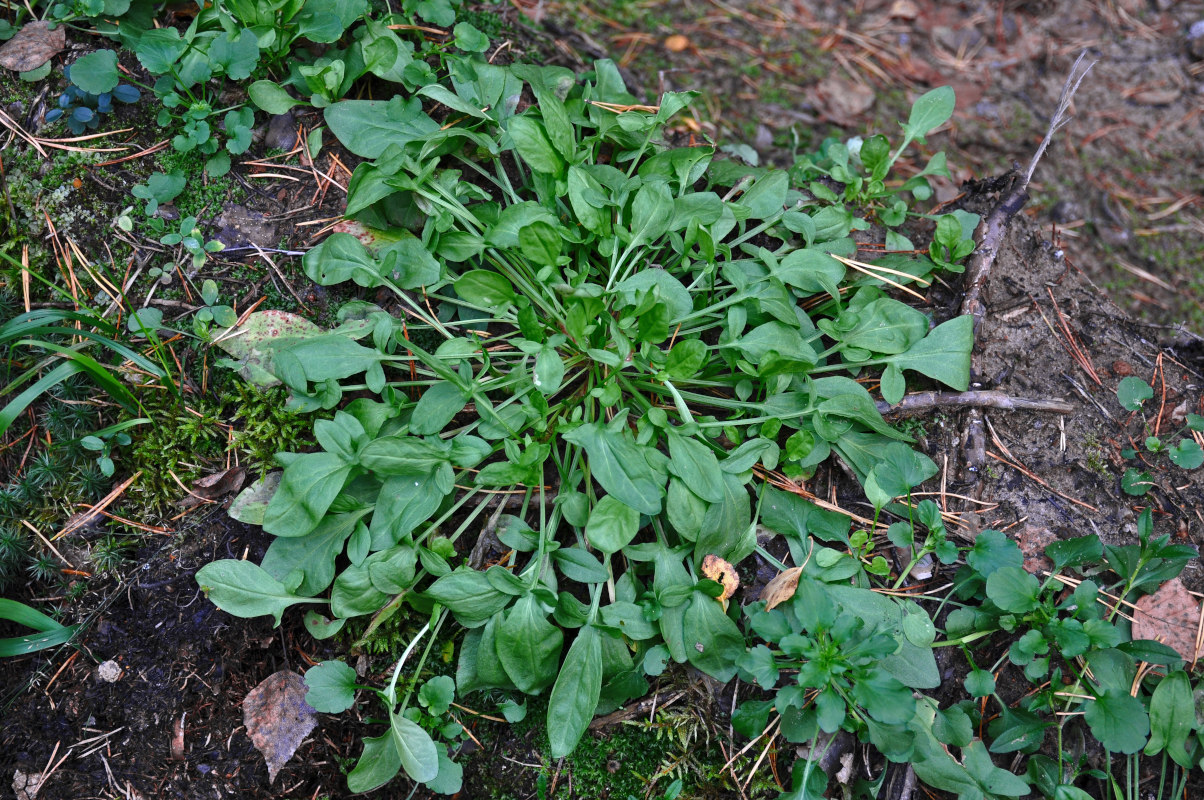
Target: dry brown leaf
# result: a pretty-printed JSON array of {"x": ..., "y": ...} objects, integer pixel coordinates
[
  {"x": 277, "y": 718},
  {"x": 1032, "y": 542},
  {"x": 676, "y": 43},
  {"x": 1171, "y": 616},
  {"x": 781, "y": 588},
  {"x": 32, "y": 46},
  {"x": 212, "y": 487},
  {"x": 722, "y": 573},
  {"x": 843, "y": 100}
]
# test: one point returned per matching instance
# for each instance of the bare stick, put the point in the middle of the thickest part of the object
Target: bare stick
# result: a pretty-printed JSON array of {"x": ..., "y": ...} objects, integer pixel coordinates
[
  {"x": 921, "y": 402},
  {"x": 992, "y": 229}
]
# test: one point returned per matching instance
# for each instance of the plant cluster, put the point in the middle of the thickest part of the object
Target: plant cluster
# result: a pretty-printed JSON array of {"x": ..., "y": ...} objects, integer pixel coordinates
[
  {"x": 79, "y": 104},
  {"x": 637, "y": 330},
  {"x": 1132, "y": 394}
]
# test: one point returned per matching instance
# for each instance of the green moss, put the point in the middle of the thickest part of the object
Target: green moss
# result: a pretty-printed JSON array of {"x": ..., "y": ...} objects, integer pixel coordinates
[{"x": 205, "y": 196}]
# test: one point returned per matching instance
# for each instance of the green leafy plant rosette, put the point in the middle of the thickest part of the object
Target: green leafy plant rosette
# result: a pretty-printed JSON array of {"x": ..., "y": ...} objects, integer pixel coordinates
[{"x": 596, "y": 341}]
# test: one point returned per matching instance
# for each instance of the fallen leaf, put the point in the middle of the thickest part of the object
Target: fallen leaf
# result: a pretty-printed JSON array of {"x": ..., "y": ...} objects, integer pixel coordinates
[
  {"x": 212, "y": 487},
  {"x": 1171, "y": 616},
  {"x": 676, "y": 43},
  {"x": 904, "y": 9},
  {"x": 32, "y": 46},
  {"x": 841, "y": 100},
  {"x": 1032, "y": 542},
  {"x": 277, "y": 718},
  {"x": 723, "y": 573},
  {"x": 781, "y": 588}
]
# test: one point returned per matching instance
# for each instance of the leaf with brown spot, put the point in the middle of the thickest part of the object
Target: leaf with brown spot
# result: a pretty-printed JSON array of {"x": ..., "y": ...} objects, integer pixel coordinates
[
  {"x": 259, "y": 338},
  {"x": 32, "y": 46},
  {"x": 722, "y": 573},
  {"x": 1171, "y": 616},
  {"x": 277, "y": 718},
  {"x": 781, "y": 588}
]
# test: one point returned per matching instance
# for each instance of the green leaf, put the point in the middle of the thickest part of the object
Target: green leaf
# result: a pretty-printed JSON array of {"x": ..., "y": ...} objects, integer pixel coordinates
[
  {"x": 529, "y": 646},
  {"x": 246, "y": 590},
  {"x": 367, "y": 127},
  {"x": 469, "y": 39},
  {"x": 1136, "y": 483},
  {"x": 331, "y": 687},
  {"x": 96, "y": 73},
  {"x": 532, "y": 143},
  {"x": 309, "y": 485},
  {"x": 419, "y": 756},
  {"x": 767, "y": 196},
  {"x": 930, "y": 111},
  {"x": 410, "y": 264},
  {"x": 314, "y": 554},
  {"x": 485, "y": 289},
  {"x": 697, "y": 466},
  {"x": 1172, "y": 718},
  {"x": 326, "y": 20},
  {"x": 469, "y": 595},
  {"x": 943, "y": 355},
  {"x": 993, "y": 780},
  {"x": 575, "y": 695},
  {"x": 1187, "y": 454},
  {"x": 612, "y": 525},
  {"x": 1132, "y": 393},
  {"x": 379, "y": 763},
  {"x": 237, "y": 54},
  {"x": 810, "y": 270},
  {"x": 1075, "y": 552},
  {"x": 1118, "y": 720},
  {"x": 451, "y": 776},
  {"x": 437, "y": 407},
  {"x": 406, "y": 502},
  {"x": 622, "y": 467},
  {"x": 159, "y": 49},
  {"x": 270, "y": 97},
  {"x": 685, "y": 359},
  {"x": 1013, "y": 589},
  {"x": 992, "y": 551},
  {"x": 651, "y": 211},
  {"x": 713, "y": 642},
  {"x": 52, "y": 633},
  {"x": 980, "y": 683}
]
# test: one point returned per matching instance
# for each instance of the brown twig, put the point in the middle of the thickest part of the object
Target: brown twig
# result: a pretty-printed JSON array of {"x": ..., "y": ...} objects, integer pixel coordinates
[
  {"x": 921, "y": 402},
  {"x": 990, "y": 233}
]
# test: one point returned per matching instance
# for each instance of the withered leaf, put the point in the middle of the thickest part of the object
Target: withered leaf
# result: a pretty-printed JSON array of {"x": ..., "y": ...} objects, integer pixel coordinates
[
  {"x": 277, "y": 718},
  {"x": 1171, "y": 616},
  {"x": 722, "y": 573},
  {"x": 212, "y": 487},
  {"x": 781, "y": 588},
  {"x": 32, "y": 46}
]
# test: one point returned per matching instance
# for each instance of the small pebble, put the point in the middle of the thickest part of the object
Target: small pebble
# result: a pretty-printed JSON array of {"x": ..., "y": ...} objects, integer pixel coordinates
[{"x": 109, "y": 672}]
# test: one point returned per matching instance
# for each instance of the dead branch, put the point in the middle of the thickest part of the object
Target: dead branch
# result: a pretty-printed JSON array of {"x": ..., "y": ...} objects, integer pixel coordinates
[
  {"x": 991, "y": 230},
  {"x": 922, "y": 402}
]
